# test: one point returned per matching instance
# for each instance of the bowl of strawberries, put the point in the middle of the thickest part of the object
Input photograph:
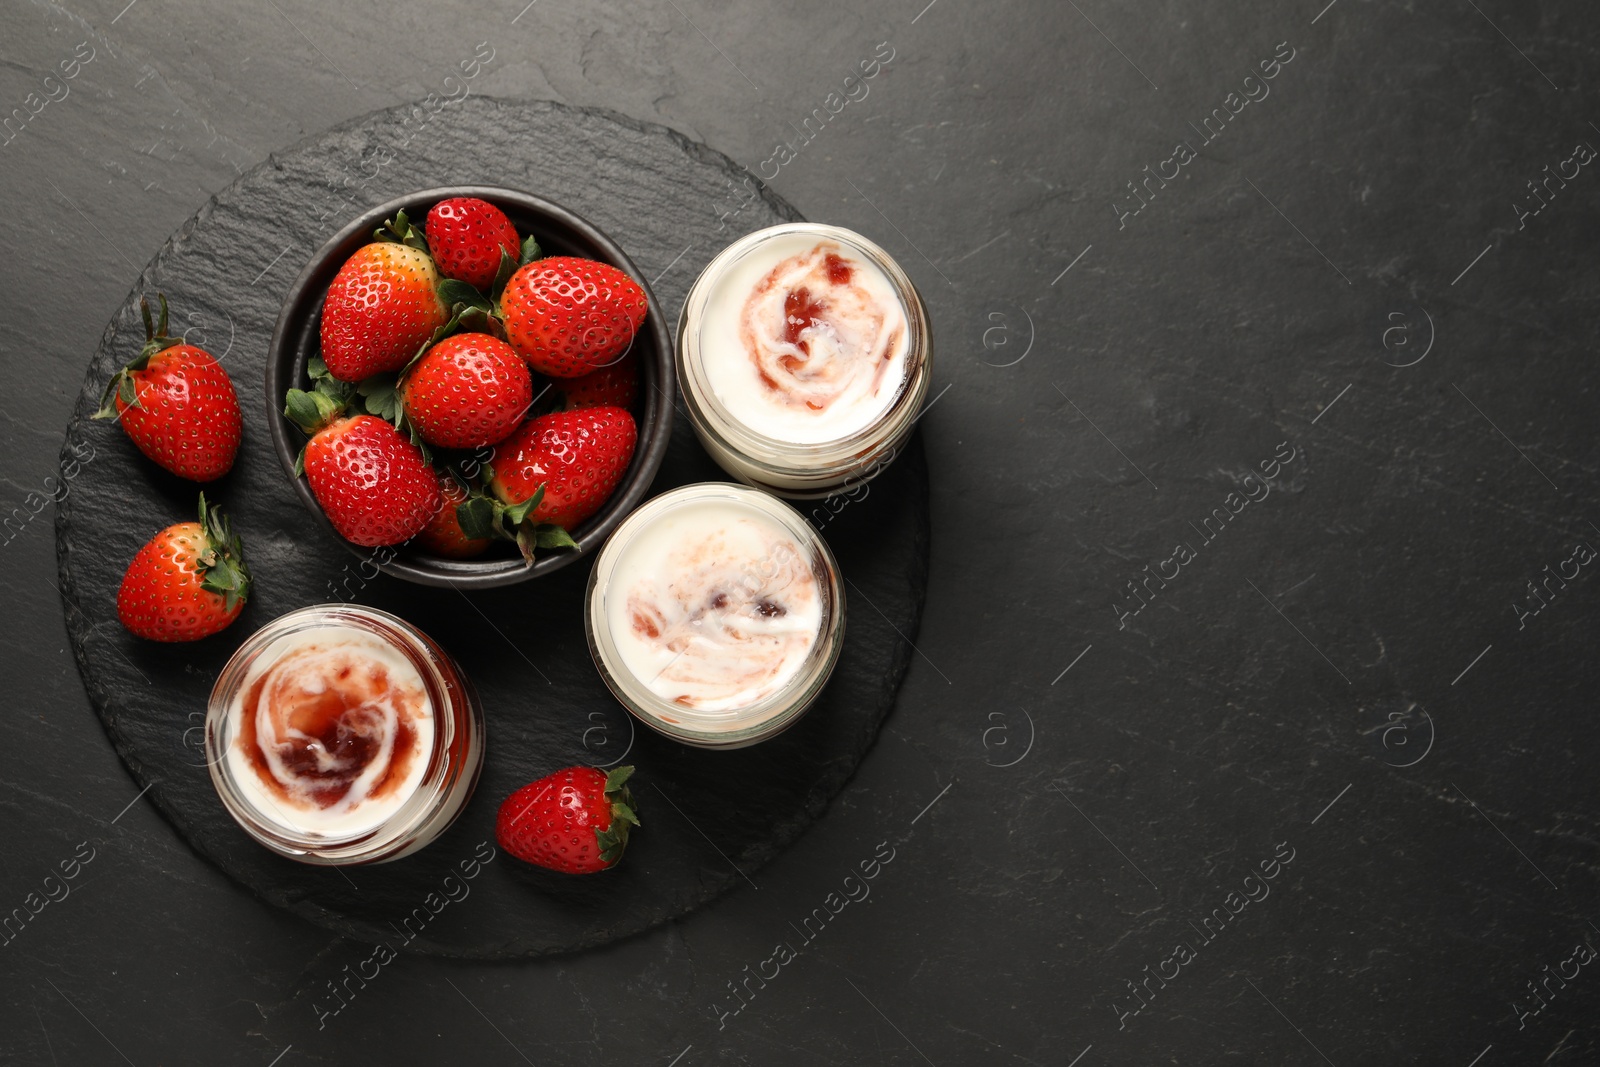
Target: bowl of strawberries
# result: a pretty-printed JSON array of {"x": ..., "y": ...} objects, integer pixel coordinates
[{"x": 470, "y": 386}]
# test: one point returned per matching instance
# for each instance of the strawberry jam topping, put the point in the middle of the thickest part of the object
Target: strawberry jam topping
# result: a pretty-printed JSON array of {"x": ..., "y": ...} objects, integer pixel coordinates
[
  {"x": 730, "y": 612},
  {"x": 818, "y": 336},
  {"x": 801, "y": 312},
  {"x": 331, "y": 726}
]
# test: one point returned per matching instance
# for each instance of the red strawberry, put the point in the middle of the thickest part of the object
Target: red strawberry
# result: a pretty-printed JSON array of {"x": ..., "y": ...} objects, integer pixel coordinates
[
  {"x": 177, "y": 404},
  {"x": 467, "y": 391},
  {"x": 576, "y": 457},
  {"x": 189, "y": 581},
  {"x": 616, "y": 385},
  {"x": 383, "y": 305},
  {"x": 374, "y": 485},
  {"x": 569, "y": 316},
  {"x": 466, "y": 237},
  {"x": 443, "y": 535},
  {"x": 574, "y": 821}
]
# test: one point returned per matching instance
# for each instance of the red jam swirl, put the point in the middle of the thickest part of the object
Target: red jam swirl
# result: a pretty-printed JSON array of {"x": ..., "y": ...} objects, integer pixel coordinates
[
  {"x": 815, "y": 333},
  {"x": 327, "y": 726},
  {"x": 725, "y": 619}
]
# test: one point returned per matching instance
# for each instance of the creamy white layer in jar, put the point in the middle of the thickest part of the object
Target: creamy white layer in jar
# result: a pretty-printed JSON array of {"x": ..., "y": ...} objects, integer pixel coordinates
[
  {"x": 804, "y": 339},
  {"x": 714, "y": 608},
  {"x": 332, "y": 731}
]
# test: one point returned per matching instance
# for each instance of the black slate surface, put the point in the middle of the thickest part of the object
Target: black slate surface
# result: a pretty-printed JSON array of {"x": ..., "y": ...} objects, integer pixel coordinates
[
  {"x": 713, "y": 817},
  {"x": 987, "y": 156}
]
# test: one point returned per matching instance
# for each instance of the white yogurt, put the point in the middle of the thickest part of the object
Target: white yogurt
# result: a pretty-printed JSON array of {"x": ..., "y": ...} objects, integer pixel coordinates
[
  {"x": 804, "y": 339},
  {"x": 332, "y": 731},
  {"x": 713, "y": 607}
]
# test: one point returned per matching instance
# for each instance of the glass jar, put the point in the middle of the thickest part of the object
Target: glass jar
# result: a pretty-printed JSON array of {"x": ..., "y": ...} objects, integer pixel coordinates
[
  {"x": 779, "y": 350},
  {"x": 715, "y": 614},
  {"x": 369, "y": 775}
]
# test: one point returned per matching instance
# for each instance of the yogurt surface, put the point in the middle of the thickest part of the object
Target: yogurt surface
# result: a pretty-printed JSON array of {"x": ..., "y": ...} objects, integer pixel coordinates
[
  {"x": 804, "y": 339},
  {"x": 332, "y": 730},
  {"x": 713, "y": 607}
]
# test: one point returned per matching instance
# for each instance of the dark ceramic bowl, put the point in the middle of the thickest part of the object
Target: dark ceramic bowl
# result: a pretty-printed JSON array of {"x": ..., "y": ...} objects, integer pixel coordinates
[{"x": 560, "y": 232}]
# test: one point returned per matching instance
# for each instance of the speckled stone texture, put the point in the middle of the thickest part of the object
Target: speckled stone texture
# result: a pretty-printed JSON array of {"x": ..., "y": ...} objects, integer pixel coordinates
[{"x": 711, "y": 819}]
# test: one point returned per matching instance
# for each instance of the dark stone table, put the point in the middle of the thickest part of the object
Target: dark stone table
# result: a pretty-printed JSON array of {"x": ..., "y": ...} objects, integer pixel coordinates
[{"x": 1251, "y": 720}]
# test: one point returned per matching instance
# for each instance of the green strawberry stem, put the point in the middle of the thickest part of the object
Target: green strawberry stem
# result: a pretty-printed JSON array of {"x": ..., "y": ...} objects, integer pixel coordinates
[
  {"x": 530, "y": 252},
  {"x": 478, "y": 518},
  {"x": 319, "y": 407},
  {"x": 221, "y": 560},
  {"x": 455, "y": 292},
  {"x": 122, "y": 386},
  {"x": 324, "y": 402},
  {"x": 509, "y": 263},
  {"x": 494, "y": 327},
  {"x": 484, "y": 517},
  {"x": 508, "y": 267},
  {"x": 614, "y": 838},
  {"x": 400, "y": 230},
  {"x": 550, "y": 535},
  {"x": 380, "y": 396},
  {"x": 470, "y": 312}
]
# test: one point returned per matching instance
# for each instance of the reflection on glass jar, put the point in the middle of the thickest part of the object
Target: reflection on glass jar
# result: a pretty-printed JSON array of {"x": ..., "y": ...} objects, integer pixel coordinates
[
  {"x": 715, "y": 614},
  {"x": 340, "y": 735},
  {"x": 805, "y": 355}
]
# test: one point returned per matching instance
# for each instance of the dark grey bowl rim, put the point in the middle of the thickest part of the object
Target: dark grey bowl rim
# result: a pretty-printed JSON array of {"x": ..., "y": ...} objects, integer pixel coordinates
[{"x": 567, "y": 233}]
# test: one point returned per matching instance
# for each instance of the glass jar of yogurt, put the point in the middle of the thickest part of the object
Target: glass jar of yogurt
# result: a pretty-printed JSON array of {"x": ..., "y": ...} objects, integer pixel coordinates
[
  {"x": 715, "y": 613},
  {"x": 805, "y": 355},
  {"x": 340, "y": 734}
]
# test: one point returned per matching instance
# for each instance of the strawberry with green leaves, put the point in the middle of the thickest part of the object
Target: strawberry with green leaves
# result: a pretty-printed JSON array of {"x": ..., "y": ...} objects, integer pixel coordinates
[
  {"x": 176, "y": 403},
  {"x": 574, "y": 460},
  {"x": 373, "y": 483},
  {"x": 189, "y": 581},
  {"x": 383, "y": 305},
  {"x": 575, "y": 821},
  {"x": 569, "y": 316},
  {"x": 467, "y": 391},
  {"x": 551, "y": 474},
  {"x": 468, "y": 236}
]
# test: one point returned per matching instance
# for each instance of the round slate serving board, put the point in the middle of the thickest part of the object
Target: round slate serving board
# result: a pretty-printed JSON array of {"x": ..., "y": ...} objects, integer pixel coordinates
[{"x": 711, "y": 819}]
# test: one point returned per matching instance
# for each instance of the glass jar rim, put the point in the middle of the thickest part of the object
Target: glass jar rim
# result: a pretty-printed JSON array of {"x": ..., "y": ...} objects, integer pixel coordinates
[
  {"x": 431, "y": 793},
  {"x": 712, "y": 416},
  {"x": 773, "y": 713}
]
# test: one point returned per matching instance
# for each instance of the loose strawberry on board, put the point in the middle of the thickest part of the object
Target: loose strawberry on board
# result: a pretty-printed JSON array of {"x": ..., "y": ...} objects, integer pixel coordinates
[
  {"x": 176, "y": 403},
  {"x": 374, "y": 485},
  {"x": 575, "y": 821},
  {"x": 443, "y": 536},
  {"x": 616, "y": 385},
  {"x": 570, "y": 316},
  {"x": 189, "y": 581},
  {"x": 467, "y": 391},
  {"x": 467, "y": 236},
  {"x": 383, "y": 305},
  {"x": 576, "y": 457}
]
